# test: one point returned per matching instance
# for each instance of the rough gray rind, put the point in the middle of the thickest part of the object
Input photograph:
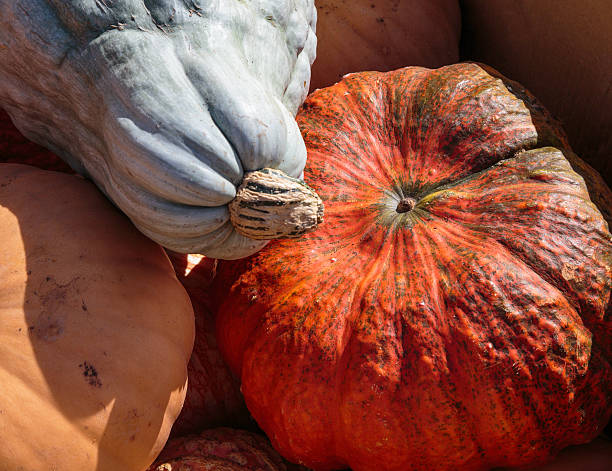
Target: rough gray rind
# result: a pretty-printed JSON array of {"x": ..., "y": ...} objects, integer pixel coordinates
[{"x": 163, "y": 103}]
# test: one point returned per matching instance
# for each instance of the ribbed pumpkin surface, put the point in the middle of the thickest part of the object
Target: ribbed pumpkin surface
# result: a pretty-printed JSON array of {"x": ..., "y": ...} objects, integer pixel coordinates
[
  {"x": 440, "y": 317},
  {"x": 550, "y": 132}
]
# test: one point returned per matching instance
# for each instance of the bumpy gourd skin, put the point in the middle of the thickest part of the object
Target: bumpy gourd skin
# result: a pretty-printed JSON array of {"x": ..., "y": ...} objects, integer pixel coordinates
[
  {"x": 467, "y": 330},
  {"x": 164, "y": 104},
  {"x": 220, "y": 449}
]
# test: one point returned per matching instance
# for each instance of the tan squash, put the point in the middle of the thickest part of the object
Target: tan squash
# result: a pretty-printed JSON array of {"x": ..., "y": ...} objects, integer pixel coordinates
[
  {"x": 356, "y": 35},
  {"x": 95, "y": 330}
]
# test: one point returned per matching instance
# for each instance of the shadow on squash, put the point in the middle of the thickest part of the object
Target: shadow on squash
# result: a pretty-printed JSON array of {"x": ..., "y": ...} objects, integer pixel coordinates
[
  {"x": 98, "y": 330},
  {"x": 15, "y": 148},
  {"x": 594, "y": 456},
  {"x": 213, "y": 394}
]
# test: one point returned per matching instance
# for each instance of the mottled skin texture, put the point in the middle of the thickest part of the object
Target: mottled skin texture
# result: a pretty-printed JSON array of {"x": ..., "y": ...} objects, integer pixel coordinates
[
  {"x": 550, "y": 132},
  {"x": 221, "y": 449},
  {"x": 213, "y": 396},
  {"x": 454, "y": 336}
]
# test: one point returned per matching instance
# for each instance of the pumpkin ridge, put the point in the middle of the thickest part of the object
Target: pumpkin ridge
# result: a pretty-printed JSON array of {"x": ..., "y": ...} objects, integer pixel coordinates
[
  {"x": 517, "y": 335},
  {"x": 427, "y": 344},
  {"x": 379, "y": 280},
  {"x": 418, "y": 201},
  {"x": 548, "y": 278},
  {"x": 553, "y": 198}
]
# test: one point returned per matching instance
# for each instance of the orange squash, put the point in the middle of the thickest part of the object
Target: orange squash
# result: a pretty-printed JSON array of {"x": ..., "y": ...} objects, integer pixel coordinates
[
  {"x": 452, "y": 311},
  {"x": 95, "y": 330}
]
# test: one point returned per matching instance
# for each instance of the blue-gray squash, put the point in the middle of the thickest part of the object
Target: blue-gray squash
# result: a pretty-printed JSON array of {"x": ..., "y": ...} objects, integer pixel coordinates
[{"x": 166, "y": 105}]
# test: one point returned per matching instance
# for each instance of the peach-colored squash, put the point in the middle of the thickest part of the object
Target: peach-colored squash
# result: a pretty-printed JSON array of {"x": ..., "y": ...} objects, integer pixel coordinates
[{"x": 95, "y": 330}]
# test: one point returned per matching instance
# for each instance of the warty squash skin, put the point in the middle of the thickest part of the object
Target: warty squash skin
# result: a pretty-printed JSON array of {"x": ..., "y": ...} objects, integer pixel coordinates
[
  {"x": 165, "y": 104},
  {"x": 95, "y": 330},
  {"x": 221, "y": 449},
  {"x": 550, "y": 132},
  {"x": 213, "y": 396},
  {"x": 448, "y": 315}
]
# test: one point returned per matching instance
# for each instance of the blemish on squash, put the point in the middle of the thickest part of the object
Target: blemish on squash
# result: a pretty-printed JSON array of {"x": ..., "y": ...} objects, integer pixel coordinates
[
  {"x": 568, "y": 272},
  {"x": 54, "y": 298},
  {"x": 91, "y": 374},
  {"x": 49, "y": 329}
]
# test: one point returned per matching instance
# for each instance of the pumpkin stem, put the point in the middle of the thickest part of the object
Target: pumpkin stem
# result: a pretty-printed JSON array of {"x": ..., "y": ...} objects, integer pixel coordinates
[
  {"x": 269, "y": 204},
  {"x": 406, "y": 204}
]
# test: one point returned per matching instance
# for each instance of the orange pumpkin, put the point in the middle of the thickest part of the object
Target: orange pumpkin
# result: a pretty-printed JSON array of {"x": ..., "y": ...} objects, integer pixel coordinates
[
  {"x": 450, "y": 313},
  {"x": 95, "y": 331}
]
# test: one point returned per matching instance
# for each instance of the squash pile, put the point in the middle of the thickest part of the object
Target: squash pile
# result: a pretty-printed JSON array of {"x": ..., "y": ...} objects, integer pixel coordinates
[{"x": 453, "y": 311}]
